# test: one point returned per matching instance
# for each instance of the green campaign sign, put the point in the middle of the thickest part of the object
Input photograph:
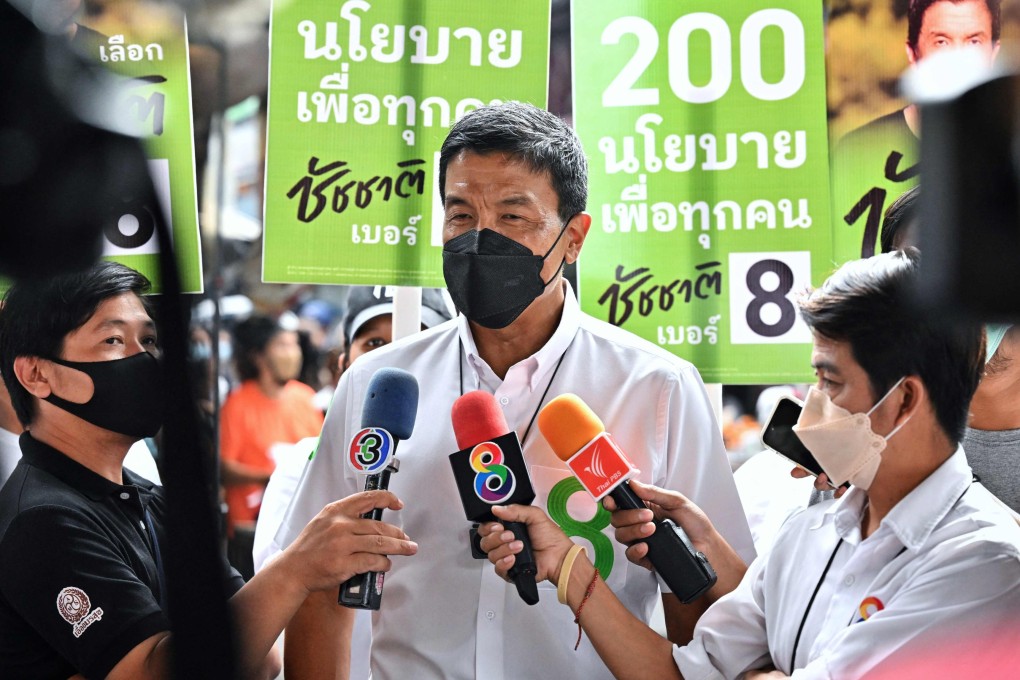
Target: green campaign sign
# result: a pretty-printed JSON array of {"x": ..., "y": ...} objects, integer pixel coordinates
[
  {"x": 152, "y": 100},
  {"x": 705, "y": 126},
  {"x": 361, "y": 96}
]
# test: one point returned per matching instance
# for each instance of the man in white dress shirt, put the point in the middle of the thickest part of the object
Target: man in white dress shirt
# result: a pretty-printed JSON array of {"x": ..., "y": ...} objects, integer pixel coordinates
[
  {"x": 914, "y": 553},
  {"x": 912, "y": 556},
  {"x": 513, "y": 180}
]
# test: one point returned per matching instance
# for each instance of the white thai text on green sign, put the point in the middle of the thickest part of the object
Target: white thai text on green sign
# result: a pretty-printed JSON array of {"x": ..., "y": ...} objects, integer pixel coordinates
[
  {"x": 362, "y": 95},
  {"x": 705, "y": 125},
  {"x": 153, "y": 101}
]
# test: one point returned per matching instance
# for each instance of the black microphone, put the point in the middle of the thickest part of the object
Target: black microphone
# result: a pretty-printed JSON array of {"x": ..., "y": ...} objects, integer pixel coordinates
[
  {"x": 579, "y": 438},
  {"x": 490, "y": 470},
  {"x": 391, "y": 403}
]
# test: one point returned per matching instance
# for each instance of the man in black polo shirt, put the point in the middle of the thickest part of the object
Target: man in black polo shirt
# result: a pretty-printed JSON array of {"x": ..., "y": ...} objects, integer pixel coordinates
[{"x": 81, "y": 580}]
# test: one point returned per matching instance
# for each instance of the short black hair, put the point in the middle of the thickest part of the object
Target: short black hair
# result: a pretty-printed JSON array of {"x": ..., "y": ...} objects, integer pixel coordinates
[
  {"x": 899, "y": 217},
  {"x": 537, "y": 138},
  {"x": 917, "y": 9},
  {"x": 866, "y": 303},
  {"x": 250, "y": 339},
  {"x": 38, "y": 315}
]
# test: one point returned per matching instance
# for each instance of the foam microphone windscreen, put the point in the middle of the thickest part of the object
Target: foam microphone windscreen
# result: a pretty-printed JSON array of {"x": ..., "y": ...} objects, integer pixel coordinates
[
  {"x": 567, "y": 423},
  {"x": 391, "y": 402},
  {"x": 477, "y": 418}
]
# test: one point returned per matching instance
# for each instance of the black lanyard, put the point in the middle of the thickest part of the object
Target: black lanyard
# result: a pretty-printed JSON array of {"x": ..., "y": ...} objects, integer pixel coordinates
[
  {"x": 460, "y": 372},
  {"x": 821, "y": 580}
]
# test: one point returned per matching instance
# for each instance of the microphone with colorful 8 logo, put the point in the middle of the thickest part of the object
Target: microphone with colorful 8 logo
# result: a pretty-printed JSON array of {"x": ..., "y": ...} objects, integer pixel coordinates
[
  {"x": 490, "y": 470},
  {"x": 388, "y": 414}
]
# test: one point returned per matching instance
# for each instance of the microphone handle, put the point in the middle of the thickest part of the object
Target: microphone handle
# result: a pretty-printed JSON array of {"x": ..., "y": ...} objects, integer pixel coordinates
[
  {"x": 625, "y": 497},
  {"x": 685, "y": 570},
  {"x": 364, "y": 591},
  {"x": 524, "y": 569}
]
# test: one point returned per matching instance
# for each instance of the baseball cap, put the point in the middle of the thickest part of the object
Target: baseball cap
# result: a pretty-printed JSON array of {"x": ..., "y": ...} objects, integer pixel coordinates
[{"x": 364, "y": 303}]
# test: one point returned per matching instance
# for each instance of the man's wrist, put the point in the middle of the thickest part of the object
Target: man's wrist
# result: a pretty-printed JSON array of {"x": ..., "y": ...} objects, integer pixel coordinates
[
  {"x": 285, "y": 573},
  {"x": 728, "y": 565},
  {"x": 554, "y": 577},
  {"x": 580, "y": 578},
  {"x": 563, "y": 573}
]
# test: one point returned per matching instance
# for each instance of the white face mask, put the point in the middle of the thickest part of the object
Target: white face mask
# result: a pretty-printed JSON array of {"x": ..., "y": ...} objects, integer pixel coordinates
[{"x": 843, "y": 443}]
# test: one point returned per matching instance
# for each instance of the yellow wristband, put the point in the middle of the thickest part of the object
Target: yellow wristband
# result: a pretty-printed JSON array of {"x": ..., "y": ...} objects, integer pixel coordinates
[{"x": 568, "y": 564}]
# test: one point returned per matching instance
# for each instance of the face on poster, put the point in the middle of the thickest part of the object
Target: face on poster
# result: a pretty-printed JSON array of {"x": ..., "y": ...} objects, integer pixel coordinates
[{"x": 875, "y": 132}]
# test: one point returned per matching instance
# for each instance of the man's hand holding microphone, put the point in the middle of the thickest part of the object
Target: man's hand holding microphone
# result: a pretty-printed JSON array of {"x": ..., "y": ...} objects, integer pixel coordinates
[
  {"x": 339, "y": 543},
  {"x": 645, "y": 511}
]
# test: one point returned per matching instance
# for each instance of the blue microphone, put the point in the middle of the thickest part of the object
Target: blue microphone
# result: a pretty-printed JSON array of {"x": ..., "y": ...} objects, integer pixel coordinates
[{"x": 391, "y": 403}]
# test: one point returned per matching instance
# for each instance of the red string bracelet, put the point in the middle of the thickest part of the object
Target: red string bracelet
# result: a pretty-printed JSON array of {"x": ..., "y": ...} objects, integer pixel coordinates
[{"x": 587, "y": 594}]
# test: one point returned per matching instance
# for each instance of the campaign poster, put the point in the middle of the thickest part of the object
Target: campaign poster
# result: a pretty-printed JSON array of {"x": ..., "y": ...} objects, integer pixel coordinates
[
  {"x": 146, "y": 47},
  {"x": 361, "y": 96},
  {"x": 874, "y": 130},
  {"x": 705, "y": 127}
]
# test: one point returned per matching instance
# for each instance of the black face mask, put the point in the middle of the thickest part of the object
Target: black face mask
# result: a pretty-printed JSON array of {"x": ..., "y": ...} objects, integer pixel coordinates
[
  {"x": 492, "y": 278},
  {"x": 127, "y": 396}
]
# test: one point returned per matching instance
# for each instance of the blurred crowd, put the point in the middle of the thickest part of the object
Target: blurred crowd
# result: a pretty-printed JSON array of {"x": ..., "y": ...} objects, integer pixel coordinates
[{"x": 266, "y": 382}]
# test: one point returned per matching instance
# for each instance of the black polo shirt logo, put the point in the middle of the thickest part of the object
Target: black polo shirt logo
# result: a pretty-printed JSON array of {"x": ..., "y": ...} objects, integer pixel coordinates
[{"x": 74, "y": 605}]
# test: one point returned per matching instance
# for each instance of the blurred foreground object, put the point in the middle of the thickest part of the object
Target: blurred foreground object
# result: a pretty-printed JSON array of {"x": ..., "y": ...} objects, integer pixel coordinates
[
  {"x": 970, "y": 212},
  {"x": 62, "y": 182},
  {"x": 60, "y": 178}
]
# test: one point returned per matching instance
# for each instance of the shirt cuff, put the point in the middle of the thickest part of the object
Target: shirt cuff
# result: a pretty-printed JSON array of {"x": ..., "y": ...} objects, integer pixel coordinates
[{"x": 694, "y": 664}]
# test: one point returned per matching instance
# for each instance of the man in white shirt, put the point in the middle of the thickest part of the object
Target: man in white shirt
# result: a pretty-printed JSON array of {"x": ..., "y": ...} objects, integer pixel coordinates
[
  {"x": 367, "y": 326},
  {"x": 514, "y": 183},
  {"x": 914, "y": 553}
]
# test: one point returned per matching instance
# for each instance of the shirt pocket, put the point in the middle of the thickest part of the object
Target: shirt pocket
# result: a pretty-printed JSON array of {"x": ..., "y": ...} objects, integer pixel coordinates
[{"x": 586, "y": 522}]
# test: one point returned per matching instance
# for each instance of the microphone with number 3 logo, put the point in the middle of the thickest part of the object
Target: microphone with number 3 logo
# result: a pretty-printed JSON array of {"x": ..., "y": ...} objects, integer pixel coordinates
[{"x": 391, "y": 403}]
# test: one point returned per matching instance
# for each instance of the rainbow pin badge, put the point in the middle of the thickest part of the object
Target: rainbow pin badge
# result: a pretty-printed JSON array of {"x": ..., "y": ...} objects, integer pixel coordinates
[{"x": 869, "y": 607}]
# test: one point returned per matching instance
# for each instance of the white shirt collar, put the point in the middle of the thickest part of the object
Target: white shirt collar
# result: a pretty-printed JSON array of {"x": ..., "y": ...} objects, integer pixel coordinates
[
  {"x": 913, "y": 519},
  {"x": 541, "y": 363}
]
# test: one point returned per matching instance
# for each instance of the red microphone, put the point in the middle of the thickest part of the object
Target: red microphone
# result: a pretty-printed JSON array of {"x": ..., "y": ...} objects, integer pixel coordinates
[
  {"x": 477, "y": 418},
  {"x": 490, "y": 470}
]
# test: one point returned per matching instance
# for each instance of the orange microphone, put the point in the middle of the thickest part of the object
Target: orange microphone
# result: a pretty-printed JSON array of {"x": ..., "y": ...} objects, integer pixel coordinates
[{"x": 579, "y": 438}]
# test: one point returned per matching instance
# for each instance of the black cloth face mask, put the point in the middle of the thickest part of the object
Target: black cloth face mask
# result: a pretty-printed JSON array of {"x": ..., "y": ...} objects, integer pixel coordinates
[
  {"x": 127, "y": 396},
  {"x": 492, "y": 278}
]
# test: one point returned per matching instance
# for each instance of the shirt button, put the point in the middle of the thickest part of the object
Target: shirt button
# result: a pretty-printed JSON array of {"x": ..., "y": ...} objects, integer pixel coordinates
[
  {"x": 141, "y": 524},
  {"x": 504, "y": 400},
  {"x": 490, "y": 615},
  {"x": 849, "y": 580},
  {"x": 125, "y": 495}
]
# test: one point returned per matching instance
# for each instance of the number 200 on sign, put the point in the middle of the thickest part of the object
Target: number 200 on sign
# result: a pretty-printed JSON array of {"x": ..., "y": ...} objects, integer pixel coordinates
[{"x": 621, "y": 92}]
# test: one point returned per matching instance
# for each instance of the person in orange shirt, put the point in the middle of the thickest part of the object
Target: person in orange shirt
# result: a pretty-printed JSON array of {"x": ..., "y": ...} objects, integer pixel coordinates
[{"x": 269, "y": 407}]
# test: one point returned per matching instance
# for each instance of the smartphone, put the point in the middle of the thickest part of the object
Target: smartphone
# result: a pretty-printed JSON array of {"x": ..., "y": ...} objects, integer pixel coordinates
[{"x": 779, "y": 436}]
